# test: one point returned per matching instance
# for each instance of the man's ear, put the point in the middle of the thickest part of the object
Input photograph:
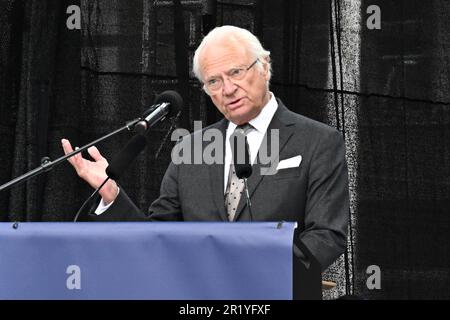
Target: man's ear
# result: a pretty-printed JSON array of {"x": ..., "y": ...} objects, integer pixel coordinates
[{"x": 266, "y": 71}]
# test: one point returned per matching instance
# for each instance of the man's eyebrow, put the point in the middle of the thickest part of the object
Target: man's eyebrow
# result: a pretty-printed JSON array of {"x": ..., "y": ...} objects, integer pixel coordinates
[
  {"x": 226, "y": 72},
  {"x": 211, "y": 77}
]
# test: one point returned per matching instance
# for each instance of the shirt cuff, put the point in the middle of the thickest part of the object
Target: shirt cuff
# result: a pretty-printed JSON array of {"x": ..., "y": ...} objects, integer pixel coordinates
[{"x": 102, "y": 207}]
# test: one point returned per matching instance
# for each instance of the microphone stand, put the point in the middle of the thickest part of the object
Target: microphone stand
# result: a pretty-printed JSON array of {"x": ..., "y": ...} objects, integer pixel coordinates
[{"x": 47, "y": 164}]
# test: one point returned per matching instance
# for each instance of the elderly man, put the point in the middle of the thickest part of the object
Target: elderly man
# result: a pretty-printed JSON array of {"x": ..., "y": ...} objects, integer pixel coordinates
[{"x": 311, "y": 188}]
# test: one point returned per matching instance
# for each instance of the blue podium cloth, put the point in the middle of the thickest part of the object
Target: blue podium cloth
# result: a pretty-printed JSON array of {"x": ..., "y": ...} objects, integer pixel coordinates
[{"x": 141, "y": 260}]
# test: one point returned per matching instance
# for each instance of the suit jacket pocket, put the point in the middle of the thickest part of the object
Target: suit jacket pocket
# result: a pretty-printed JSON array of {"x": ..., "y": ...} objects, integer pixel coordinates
[{"x": 288, "y": 173}]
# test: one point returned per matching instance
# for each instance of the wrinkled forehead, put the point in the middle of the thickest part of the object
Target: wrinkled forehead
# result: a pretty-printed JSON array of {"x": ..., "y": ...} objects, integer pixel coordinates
[{"x": 221, "y": 55}]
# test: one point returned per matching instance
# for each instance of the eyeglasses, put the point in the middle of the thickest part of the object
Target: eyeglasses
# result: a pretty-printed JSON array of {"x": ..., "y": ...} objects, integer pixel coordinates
[{"x": 235, "y": 74}]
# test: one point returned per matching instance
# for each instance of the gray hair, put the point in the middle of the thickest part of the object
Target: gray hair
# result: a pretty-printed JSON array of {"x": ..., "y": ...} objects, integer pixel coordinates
[{"x": 241, "y": 36}]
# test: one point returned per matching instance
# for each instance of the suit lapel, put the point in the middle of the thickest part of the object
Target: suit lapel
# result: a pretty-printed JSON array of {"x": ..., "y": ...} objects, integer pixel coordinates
[
  {"x": 286, "y": 129},
  {"x": 216, "y": 172}
]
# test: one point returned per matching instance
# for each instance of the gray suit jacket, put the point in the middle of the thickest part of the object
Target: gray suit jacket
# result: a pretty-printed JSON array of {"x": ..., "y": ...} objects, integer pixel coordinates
[{"x": 315, "y": 194}]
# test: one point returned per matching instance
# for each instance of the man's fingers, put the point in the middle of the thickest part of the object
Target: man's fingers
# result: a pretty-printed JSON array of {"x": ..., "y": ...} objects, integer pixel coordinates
[
  {"x": 95, "y": 154},
  {"x": 67, "y": 147},
  {"x": 74, "y": 160}
]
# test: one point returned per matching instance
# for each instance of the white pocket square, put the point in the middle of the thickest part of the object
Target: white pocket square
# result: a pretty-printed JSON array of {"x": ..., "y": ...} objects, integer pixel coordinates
[{"x": 289, "y": 163}]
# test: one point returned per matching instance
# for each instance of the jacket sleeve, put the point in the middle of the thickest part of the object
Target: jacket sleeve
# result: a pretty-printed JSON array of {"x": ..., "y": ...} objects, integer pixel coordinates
[
  {"x": 327, "y": 206},
  {"x": 165, "y": 208}
]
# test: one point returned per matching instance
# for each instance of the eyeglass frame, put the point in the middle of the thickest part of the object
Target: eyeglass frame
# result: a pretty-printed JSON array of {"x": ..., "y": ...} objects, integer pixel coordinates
[{"x": 205, "y": 87}]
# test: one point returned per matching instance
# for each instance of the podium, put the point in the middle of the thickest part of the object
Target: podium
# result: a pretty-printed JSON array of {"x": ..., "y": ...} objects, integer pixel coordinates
[{"x": 142, "y": 260}]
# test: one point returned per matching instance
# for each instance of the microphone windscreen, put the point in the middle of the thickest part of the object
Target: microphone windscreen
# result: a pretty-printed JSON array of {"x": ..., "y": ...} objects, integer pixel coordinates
[
  {"x": 172, "y": 97},
  {"x": 243, "y": 171},
  {"x": 124, "y": 158}
]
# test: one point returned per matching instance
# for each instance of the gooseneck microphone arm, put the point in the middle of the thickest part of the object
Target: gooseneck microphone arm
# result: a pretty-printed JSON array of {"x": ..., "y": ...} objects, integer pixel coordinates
[
  {"x": 243, "y": 169},
  {"x": 247, "y": 196},
  {"x": 47, "y": 164}
]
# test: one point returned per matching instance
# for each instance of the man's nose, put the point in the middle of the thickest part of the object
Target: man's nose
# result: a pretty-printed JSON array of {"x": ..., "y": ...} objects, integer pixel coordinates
[{"x": 228, "y": 87}]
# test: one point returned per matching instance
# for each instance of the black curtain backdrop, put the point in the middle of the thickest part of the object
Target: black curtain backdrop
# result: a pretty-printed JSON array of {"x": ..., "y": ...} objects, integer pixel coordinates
[
  {"x": 403, "y": 183},
  {"x": 386, "y": 90},
  {"x": 40, "y": 90}
]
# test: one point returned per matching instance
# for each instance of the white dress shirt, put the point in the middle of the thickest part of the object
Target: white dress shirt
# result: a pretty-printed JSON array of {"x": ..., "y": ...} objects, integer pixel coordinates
[{"x": 254, "y": 138}]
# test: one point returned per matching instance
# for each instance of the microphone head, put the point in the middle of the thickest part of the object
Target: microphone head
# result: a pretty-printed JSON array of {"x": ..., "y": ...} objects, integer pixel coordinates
[
  {"x": 243, "y": 171},
  {"x": 125, "y": 157},
  {"x": 171, "y": 97}
]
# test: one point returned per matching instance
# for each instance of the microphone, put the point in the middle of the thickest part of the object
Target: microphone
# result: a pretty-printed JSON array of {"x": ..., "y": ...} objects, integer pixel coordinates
[
  {"x": 166, "y": 104},
  {"x": 125, "y": 157},
  {"x": 243, "y": 169}
]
